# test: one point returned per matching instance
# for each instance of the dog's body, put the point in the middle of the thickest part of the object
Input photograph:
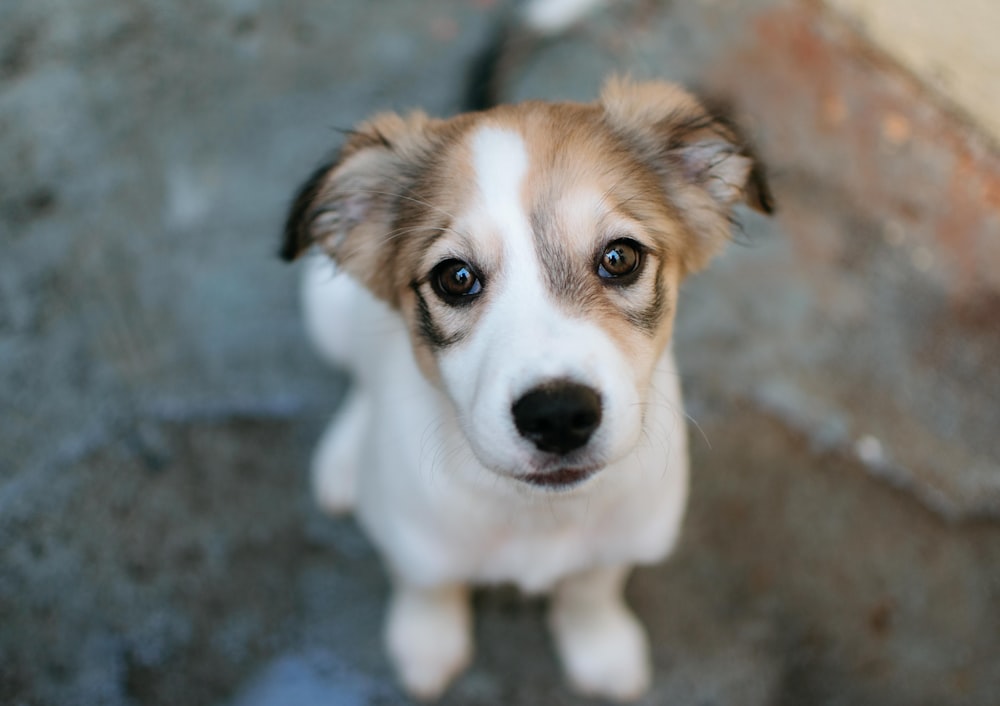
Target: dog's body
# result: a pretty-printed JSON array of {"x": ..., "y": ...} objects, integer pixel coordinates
[
  {"x": 511, "y": 279},
  {"x": 435, "y": 512}
]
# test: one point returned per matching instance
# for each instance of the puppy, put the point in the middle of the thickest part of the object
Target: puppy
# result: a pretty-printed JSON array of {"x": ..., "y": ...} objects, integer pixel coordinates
[{"x": 503, "y": 295}]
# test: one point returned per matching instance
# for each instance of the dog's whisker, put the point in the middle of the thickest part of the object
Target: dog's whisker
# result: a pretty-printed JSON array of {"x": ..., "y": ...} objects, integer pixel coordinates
[
  {"x": 701, "y": 431},
  {"x": 432, "y": 430},
  {"x": 681, "y": 413}
]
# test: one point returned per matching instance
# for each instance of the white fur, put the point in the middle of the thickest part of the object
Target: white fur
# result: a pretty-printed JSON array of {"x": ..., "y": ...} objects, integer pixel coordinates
[
  {"x": 433, "y": 474},
  {"x": 440, "y": 516},
  {"x": 600, "y": 642},
  {"x": 551, "y": 17},
  {"x": 428, "y": 634}
]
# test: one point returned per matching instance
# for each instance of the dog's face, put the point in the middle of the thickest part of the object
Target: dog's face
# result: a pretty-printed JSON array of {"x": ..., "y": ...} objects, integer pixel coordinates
[{"x": 535, "y": 253}]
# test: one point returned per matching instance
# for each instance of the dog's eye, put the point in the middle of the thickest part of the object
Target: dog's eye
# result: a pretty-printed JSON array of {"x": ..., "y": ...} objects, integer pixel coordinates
[
  {"x": 620, "y": 261},
  {"x": 454, "y": 280}
]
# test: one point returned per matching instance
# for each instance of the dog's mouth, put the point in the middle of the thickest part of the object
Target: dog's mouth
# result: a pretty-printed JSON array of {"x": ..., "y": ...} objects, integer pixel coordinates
[{"x": 559, "y": 478}]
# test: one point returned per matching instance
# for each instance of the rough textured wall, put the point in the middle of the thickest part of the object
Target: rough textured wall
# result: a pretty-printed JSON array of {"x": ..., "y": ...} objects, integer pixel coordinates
[
  {"x": 159, "y": 402},
  {"x": 951, "y": 46}
]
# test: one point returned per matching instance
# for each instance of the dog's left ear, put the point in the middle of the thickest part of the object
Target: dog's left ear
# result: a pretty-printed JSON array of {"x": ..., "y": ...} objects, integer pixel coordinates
[
  {"x": 349, "y": 208},
  {"x": 703, "y": 163}
]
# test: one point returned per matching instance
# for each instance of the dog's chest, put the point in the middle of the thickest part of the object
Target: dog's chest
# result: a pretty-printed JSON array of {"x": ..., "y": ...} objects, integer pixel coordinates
[
  {"x": 536, "y": 559},
  {"x": 535, "y": 546},
  {"x": 453, "y": 534}
]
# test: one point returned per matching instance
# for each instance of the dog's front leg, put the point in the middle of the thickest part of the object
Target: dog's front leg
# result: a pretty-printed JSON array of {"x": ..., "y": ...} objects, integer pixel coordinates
[
  {"x": 429, "y": 636},
  {"x": 601, "y": 644},
  {"x": 336, "y": 459}
]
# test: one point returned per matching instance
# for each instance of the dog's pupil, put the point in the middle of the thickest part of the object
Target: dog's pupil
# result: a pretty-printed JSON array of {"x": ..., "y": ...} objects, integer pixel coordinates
[
  {"x": 461, "y": 278},
  {"x": 454, "y": 279},
  {"x": 619, "y": 259},
  {"x": 458, "y": 279}
]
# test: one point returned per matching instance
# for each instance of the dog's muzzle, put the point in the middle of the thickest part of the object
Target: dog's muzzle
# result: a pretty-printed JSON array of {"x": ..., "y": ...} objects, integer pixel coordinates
[{"x": 559, "y": 416}]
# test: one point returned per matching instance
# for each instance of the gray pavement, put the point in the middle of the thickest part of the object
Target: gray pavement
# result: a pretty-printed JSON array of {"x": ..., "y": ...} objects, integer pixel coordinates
[{"x": 159, "y": 400}]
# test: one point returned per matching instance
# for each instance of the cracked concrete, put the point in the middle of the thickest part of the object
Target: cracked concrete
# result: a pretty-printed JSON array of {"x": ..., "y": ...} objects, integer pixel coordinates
[{"x": 157, "y": 541}]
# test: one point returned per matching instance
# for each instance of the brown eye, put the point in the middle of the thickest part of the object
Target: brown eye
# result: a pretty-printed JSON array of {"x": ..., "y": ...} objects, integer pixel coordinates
[
  {"x": 454, "y": 280},
  {"x": 620, "y": 261}
]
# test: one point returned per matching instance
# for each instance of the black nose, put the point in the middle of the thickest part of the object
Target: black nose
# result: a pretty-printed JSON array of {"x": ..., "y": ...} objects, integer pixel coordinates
[{"x": 558, "y": 416}]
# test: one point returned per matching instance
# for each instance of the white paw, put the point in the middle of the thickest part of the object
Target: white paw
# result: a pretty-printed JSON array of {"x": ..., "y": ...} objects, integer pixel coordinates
[
  {"x": 604, "y": 653},
  {"x": 429, "y": 639},
  {"x": 336, "y": 460}
]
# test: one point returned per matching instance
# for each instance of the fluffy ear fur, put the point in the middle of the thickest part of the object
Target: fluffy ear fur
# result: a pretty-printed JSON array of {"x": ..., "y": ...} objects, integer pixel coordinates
[
  {"x": 704, "y": 164},
  {"x": 350, "y": 208}
]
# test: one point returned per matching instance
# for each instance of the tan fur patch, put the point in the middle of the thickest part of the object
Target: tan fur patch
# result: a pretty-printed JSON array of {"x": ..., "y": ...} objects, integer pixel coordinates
[
  {"x": 586, "y": 189},
  {"x": 646, "y": 162}
]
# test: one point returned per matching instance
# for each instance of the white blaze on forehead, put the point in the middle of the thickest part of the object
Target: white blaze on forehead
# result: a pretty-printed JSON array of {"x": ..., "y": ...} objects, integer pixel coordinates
[{"x": 500, "y": 161}]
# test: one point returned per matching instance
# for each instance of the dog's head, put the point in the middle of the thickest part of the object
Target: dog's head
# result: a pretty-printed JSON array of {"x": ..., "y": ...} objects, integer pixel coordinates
[{"x": 535, "y": 252}]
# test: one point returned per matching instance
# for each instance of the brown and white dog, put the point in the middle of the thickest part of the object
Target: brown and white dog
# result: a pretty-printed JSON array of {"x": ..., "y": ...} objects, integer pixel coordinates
[{"x": 504, "y": 295}]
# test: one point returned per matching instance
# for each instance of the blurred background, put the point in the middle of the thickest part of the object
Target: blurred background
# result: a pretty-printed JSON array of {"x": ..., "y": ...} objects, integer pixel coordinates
[{"x": 159, "y": 401}]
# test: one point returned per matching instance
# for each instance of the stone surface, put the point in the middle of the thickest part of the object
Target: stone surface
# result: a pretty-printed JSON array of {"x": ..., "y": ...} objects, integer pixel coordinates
[
  {"x": 157, "y": 541},
  {"x": 951, "y": 48}
]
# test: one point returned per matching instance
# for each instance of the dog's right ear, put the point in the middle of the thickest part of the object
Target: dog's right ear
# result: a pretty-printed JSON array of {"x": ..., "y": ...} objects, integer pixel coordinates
[
  {"x": 703, "y": 162},
  {"x": 348, "y": 208}
]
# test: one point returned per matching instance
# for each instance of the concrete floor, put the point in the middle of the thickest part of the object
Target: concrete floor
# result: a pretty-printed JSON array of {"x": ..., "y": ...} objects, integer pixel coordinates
[{"x": 157, "y": 541}]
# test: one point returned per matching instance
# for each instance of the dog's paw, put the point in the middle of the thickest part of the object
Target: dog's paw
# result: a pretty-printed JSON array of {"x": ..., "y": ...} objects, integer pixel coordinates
[
  {"x": 429, "y": 638},
  {"x": 604, "y": 653},
  {"x": 336, "y": 461}
]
